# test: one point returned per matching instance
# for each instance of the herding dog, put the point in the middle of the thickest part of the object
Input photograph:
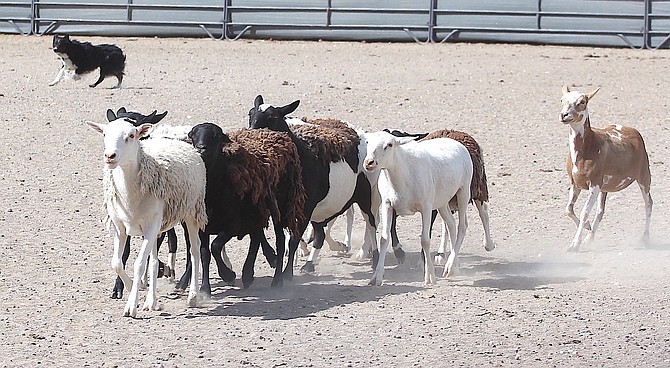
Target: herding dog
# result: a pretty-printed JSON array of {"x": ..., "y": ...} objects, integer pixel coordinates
[{"x": 81, "y": 57}]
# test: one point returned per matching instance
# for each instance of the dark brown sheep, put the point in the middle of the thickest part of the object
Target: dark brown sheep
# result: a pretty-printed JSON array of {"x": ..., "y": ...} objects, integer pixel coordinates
[{"x": 252, "y": 175}]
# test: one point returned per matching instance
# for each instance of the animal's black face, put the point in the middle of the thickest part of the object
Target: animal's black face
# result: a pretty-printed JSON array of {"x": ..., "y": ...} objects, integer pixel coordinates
[
  {"x": 60, "y": 43},
  {"x": 262, "y": 118},
  {"x": 208, "y": 139},
  {"x": 266, "y": 116}
]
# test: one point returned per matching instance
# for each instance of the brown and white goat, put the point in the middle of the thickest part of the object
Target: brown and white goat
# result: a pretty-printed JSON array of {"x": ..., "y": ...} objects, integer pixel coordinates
[{"x": 601, "y": 160}]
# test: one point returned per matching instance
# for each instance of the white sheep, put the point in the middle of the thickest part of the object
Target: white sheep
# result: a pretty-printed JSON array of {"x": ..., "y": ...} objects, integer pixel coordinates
[
  {"x": 149, "y": 187},
  {"x": 420, "y": 177}
]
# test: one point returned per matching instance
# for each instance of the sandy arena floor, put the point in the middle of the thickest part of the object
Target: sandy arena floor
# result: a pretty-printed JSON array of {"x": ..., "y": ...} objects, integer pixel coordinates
[{"x": 528, "y": 303}]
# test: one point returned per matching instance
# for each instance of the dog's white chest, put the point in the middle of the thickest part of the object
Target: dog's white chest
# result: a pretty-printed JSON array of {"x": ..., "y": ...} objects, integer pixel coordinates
[{"x": 67, "y": 63}]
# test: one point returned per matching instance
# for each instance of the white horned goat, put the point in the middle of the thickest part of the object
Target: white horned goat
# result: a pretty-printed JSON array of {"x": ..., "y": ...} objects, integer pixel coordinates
[
  {"x": 149, "y": 187},
  {"x": 601, "y": 160},
  {"x": 420, "y": 177}
]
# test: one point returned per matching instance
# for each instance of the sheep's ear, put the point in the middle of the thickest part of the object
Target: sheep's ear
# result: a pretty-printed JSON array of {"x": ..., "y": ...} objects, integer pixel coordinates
[
  {"x": 110, "y": 115},
  {"x": 592, "y": 93},
  {"x": 285, "y": 110},
  {"x": 97, "y": 127},
  {"x": 159, "y": 117},
  {"x": 149, "y": 118},
  {"x": 258, "y": 101},
  {"x": 143, "y": 130},
  {"x": 404, "y": 140},
  {"x": 121, "y": 110},
  {"x": 566, "y": 89}
]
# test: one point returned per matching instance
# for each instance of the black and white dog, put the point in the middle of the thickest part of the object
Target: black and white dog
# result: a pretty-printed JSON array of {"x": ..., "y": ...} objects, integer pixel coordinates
[{"x": 81, "y": 57}]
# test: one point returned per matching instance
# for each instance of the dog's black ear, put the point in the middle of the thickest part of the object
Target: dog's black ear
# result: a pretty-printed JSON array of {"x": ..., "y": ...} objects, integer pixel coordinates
[
  {"x": 110, "y": 115},
  {"x": 66, "y": 37}
]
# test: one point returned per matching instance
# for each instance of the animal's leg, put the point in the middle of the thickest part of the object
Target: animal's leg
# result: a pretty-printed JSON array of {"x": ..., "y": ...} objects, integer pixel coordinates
[
  {"x": 441, "y": 256},
  {"x": 319, "y": 237},
  {"x": 573, "y": 194},
  {"x": 248, "y": 268},
  {"x": 119, "y": 78},
  {"x": 148, "y": 243},
  {"x": 205, "y": 258},
  {"x": 395, "y": 242},
  {"x": 599, "y": 216},
  {"x": 151, "y": 302},
  {"x": 333, "y": 244},
  {"x": 648, "y": 203},
  {"x": 429, "y": 268},
  {"x": 117, "y": 292},
  {"x": 268, "y": 252},
  {"x": 309, "y": 235},
  {"x": 185, "y": 277},
  {"x": 386, "y": 215},
  {"x": 192, "y": 300},
  {"x": 594, "y": 192},
  {"x": 59, "y": 76},
  {"x": 463, "y": 197},
  {"x": 350, "y": 227},
  {"x": 448, "y": 225},
  {"x": 100, "y": 79},
  {"x": 370, "y": 239},
  {"x": 117, "y": 263},
  {"x": 292, "y": 247},
  {"x": 483, "y": 209},
  {"x": 225, "y": 272},
  {"x": 280, "y": 244},
  {"x": 172, "y": 253}
]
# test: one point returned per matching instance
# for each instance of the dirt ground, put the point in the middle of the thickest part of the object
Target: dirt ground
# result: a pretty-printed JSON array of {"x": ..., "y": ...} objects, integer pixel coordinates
[{"x": 527, "y": 303}]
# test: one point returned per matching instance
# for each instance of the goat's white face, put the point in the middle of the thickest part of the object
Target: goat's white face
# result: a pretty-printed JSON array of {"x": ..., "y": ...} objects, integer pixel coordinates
[
  {"x": 574, "y": 106},
  {"x": 121, "y": 141},
  {"x": 379, "y": 150}
]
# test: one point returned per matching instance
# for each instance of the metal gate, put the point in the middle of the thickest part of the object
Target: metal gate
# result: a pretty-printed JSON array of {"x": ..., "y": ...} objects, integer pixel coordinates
[{"x": 631, "y": 23}]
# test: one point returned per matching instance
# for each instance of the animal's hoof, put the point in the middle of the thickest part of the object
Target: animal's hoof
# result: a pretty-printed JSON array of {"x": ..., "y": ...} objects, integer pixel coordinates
[
  {"x": 288, "y": 274},
  {"x": 272, "y": 260},
  {"x": 116, "y": 294},
  {"x": 375, "y": 282},
  {"x": 399, "y": 255},
  {"x": 308, "y": 267},
  {"x": 229, "y": 278},
  {"x": 130, "y": 311},
  {"x": 375, "y": 258},
  {"x": 489, "y": 246},
  {"x": 192, "y": 300},
  {"x": 363, "y": 255},
  {"x": 277, "y": 282},
  {"x": 573, "y": 249},
  {"x": 339, "y": 247},
  {"x": 451, "y": 269},
  {"x": 440, "y": 260},
  {"x": 247, "y": 283}
]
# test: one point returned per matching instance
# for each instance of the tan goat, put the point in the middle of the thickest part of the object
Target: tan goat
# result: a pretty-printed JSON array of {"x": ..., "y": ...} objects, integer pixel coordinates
[{"x": 601, "y": 160}]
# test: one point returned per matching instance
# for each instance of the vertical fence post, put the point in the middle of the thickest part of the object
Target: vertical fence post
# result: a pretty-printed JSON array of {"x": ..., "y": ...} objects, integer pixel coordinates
[
  {"x": 432, "y": 21},
  {"x": 646, "y": 38}
]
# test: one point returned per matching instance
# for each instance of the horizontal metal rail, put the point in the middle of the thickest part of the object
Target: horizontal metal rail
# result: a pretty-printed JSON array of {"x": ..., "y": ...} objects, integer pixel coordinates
[{"x": 437, "y": 24}]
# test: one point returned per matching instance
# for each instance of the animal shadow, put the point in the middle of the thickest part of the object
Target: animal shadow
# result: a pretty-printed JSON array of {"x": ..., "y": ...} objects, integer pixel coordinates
[
  {"x": 526, "y": 275},
  {"x": 303, "y": 297}
]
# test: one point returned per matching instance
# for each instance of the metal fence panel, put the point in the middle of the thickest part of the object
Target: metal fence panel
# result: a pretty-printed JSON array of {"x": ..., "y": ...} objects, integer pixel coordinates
[
  {"x": 16, "y": 16},
  {"x": 633, "y": 23}
]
